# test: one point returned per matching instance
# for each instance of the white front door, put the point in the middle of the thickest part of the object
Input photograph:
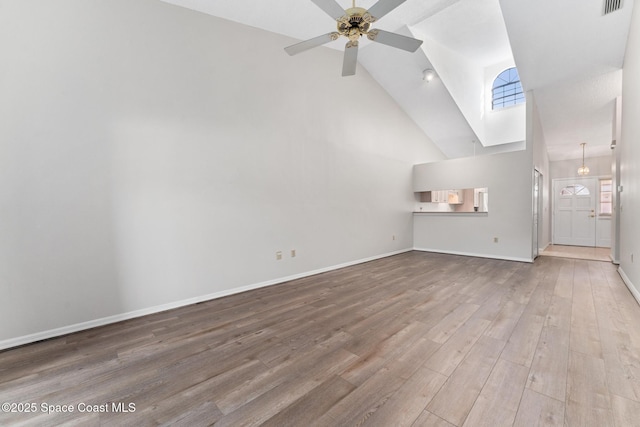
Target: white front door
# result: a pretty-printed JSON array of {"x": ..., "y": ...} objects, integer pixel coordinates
[{"x": 575, "y": 211}]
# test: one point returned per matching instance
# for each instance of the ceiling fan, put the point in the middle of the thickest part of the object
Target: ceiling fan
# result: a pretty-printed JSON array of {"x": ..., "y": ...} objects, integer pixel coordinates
[{"x": 354, "y": 23}]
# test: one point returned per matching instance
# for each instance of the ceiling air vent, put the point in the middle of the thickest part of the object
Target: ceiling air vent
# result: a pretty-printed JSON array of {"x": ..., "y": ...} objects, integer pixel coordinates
[{"x": 611, "y": 6}]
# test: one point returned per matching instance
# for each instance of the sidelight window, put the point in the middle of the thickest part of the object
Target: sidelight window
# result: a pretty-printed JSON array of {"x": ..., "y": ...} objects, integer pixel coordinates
[{"x": 606, "y": 197}]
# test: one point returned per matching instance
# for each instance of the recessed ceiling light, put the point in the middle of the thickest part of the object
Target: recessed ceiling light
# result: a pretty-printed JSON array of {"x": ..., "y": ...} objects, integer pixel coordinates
[{"x": 428, "y": 74}]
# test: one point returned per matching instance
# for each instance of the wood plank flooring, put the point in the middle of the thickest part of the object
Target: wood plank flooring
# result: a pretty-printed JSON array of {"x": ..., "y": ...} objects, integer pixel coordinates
[{"x": 416, "y": 339}]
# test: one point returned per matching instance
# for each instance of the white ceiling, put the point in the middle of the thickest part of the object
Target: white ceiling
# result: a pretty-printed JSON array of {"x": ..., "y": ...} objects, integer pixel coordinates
[
  {"x": 472, "y": 28},
  {"x": 566, "y": 52},
  {"x": 570, "y": 56}
]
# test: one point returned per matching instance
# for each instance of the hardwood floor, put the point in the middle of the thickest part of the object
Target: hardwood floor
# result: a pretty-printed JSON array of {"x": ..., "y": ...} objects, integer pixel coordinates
[{"x": 417, "y": 339}]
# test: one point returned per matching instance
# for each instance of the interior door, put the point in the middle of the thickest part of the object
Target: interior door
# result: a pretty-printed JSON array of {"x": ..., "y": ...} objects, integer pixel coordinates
[{"x": 575, "y": 212}]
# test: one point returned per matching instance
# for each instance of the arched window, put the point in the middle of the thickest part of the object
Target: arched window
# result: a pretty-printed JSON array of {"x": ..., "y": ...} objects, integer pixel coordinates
[
  {"x": 575, "y": 190},
  {"x": 507, "y": 89}
]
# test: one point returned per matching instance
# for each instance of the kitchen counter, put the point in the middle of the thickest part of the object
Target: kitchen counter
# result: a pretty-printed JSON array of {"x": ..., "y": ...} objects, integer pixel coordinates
[{"x": 451, "y": 213}]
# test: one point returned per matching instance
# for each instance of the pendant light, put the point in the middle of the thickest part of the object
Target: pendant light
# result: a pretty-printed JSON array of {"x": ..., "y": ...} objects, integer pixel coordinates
[{"x": 583, "y": 170}]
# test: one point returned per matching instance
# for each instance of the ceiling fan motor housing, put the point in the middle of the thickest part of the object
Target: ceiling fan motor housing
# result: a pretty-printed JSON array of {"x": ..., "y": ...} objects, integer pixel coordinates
[{"x": 355, "y": 23}]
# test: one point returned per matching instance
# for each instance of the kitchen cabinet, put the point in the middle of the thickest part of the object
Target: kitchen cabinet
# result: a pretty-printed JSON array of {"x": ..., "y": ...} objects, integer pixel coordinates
[
  {"x": 465, "y": 200},
  {"x": 452, "y": 197},
  {"x": 439, "y": 196}
]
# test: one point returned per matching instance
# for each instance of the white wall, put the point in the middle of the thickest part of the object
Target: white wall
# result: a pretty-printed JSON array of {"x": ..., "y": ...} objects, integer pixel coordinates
[
  {"x": 541, "y": 163},
  {"x": 508, "y": 177},
  {"x": 615, "y": 176},
  {"x": 630, "y": 160},
  {"x": 151, "y": 155}
]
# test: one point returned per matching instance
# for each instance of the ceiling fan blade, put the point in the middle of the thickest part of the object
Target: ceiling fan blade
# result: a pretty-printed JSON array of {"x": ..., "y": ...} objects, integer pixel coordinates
[
  {"x": 297, "y": 48},
  {"x": 350, "y": 59},
  {"x": 383, "y": 7},
  {"x": 395, "y": 40},
  {"x": 331, "y": 8}
]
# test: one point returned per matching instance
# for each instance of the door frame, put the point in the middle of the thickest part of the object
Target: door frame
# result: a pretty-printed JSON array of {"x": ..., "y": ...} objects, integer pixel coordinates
[
  {"x": 537, "y": 212},
  {"x": 552, "y": 201}
]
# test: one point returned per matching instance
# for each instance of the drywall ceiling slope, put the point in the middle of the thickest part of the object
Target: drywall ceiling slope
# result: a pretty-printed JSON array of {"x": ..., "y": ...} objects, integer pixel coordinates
[
  {"x": 474, "y": 29},
  {"x": 463, "y": 78},
  {"x": 579, "y": 111},
  {"x": 565, "y": 51},
  {"x": 467, "y": 43},
  {"x": 429, "y": 104},
  {"x": 302, "y": 19},
  {"x": 569, "y": 54},
  {"x": 398, "y": 72}
]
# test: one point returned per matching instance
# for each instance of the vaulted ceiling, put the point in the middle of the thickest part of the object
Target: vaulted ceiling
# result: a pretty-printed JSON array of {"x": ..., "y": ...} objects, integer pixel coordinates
[{"x": 568, "y": 53}]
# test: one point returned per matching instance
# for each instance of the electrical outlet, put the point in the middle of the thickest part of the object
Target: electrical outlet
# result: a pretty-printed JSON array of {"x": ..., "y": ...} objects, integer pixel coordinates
[
  {"x": 631, "y": 257},
  {"x": 393, "y": 237},
  {"x": 495, "y": 240},
  {"x": 278, "y": 255},
  {"x": 293, "y": 253}
]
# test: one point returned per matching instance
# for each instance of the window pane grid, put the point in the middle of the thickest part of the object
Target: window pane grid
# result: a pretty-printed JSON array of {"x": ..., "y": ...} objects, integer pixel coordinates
[
  {"x": 606, "y": 197},
  {"x": 508, "y": 94},
  {"x": 507, "y": 90},
  {"x": 575, "y": 190}
]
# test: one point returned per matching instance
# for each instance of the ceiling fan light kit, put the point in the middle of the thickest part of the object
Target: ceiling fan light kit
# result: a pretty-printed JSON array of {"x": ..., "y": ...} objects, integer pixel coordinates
[{"x": 354, "y": 23}]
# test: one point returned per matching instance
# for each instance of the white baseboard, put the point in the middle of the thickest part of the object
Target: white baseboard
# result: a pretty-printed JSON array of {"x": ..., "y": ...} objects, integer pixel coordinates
[
  {"x": 506, "y": 258},
  {"x": 52, "y": 333},
  {"x": 627, "y": 281}
]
